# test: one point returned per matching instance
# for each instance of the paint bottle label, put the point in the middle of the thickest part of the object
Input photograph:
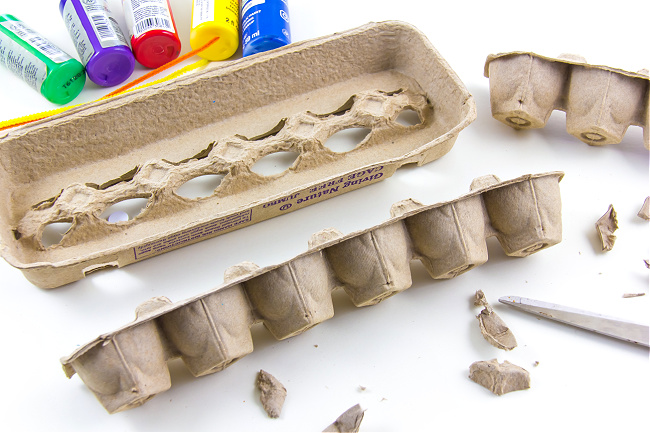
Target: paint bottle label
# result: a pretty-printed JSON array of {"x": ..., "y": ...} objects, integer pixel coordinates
[
  {"x": 202, "y": 12},
  {"x": 21, "y": 62},
  {"x": 106, "y": 28},
  {"x": 42, "y": 45},
  {"x": 79, "y": 36},
  {"x": 145, "y": 15},
  {"x": 205, "y": 11}
]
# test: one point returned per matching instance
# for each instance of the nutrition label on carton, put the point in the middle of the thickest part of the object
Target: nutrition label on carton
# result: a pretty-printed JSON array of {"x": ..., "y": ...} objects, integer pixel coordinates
[{"x": 193, "y": 234}]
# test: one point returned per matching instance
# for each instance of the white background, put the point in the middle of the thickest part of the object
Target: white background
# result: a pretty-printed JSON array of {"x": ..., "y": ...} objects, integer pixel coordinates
[{"x": 411, "y": 352}]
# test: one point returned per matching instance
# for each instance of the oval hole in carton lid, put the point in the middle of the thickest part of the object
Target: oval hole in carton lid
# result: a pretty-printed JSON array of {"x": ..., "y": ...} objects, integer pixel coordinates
[
  {"x": 124, "y": 210},
  {"x": 275, "y": 163},
  {"x": 118, "y": 216},
  {"x": 408, "y": 117},
  {"x": 200, "y": 186},
  {"x": 53, "y": 233},
  {"x": 347, "y": 139}
]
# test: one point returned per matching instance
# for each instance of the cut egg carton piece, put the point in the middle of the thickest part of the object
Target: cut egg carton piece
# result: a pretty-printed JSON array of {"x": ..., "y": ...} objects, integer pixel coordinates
[
  {"x": 600, "y": 102},
  {"x": 127, "y": 367}
]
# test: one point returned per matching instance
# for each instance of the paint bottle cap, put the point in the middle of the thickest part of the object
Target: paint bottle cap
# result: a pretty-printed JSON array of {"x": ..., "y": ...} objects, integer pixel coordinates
[
  {"x": 64, "y": 83},
  {"x": 157, "y": 48},
  {"x": 221, "y": 49},
  {"x": 111, "y": 66}
]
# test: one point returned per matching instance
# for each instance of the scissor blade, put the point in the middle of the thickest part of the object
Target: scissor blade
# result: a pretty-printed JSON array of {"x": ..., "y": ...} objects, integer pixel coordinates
[{"x": 611, "y": 326}]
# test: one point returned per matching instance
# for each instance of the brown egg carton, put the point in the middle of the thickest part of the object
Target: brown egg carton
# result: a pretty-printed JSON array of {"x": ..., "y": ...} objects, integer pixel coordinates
[
  {"x": 600, "y": 102},
  {"x": 126, "y": 367},
  {"x": 222, "y": 120}
]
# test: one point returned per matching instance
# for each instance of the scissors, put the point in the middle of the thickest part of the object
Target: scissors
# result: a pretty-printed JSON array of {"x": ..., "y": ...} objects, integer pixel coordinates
[{"x": 610, "y": 326}]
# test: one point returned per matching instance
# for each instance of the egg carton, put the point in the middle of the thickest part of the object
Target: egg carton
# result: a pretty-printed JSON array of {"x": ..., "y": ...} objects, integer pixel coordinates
[
  {"x": 72, "y": 168},
  {"x": 600, "y": 102},
  {"x": 127, "y": 367}
]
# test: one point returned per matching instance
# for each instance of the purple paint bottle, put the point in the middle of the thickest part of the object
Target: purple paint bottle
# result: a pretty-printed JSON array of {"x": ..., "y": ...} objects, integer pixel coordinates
[{"x": 101, "y": 46}]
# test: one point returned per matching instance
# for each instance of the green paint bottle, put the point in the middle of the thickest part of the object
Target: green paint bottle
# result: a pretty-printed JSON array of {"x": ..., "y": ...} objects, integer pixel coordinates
[{"x": 41, "y": 64}]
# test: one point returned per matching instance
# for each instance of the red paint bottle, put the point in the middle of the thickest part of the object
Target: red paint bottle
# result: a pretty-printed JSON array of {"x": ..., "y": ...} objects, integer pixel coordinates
[{"x": 152, "y": 30}]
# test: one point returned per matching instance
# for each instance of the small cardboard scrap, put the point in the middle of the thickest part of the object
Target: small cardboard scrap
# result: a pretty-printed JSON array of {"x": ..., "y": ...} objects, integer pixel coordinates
[
  {"x": 349, "y": 421},
  {"x": 600, "y": 102},
  {"x": 272, "y": 393},
  {"x": 493, "y": 328},
  {"x": 644, "y": 212},
  {"x": 210, "y": 331},
  {"x": 606, "y": 226},
  {"x": 499, "y": 378},
  {"x": 633, "y": 295},
  {"x": 220, "y": 121}
]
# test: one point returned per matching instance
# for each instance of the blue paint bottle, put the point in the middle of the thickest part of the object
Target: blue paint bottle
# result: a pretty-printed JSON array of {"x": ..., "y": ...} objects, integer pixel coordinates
[{"x": 264, "y": 25}]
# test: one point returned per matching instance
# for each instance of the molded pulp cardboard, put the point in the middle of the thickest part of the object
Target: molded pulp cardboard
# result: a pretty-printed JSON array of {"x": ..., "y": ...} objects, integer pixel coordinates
[
  {"x": 71, "y": 168},
  {"x": 127, "y": 367},
  {"x": 600, "y": 102}
]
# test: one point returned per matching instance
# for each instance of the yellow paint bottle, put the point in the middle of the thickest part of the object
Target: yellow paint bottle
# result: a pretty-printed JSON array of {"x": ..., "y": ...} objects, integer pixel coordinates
[{"x": 211, "y": 19}]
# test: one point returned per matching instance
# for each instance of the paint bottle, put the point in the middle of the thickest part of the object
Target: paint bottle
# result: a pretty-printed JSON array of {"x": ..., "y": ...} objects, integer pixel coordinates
[
  {"x": 99, "y": 41},
  {"x": 152, "y": 31},
  {"x": 42, "y": 65},
  {"x": 264, "y": 25},
  {"x": 215, "y": 19}
]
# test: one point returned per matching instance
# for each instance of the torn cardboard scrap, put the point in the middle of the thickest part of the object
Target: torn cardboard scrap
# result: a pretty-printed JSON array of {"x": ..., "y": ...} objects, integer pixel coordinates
[
  {"x": 480, "y": 300},
  {"x": 493, "y": 328},
  {"x": 499, "y": 378},
  {"x": 72, "y": 168},
  {"x": 644, "y": 212},
  {"x": 212, "y": 330},
  {"x": 272, "y": 393},
  {"x": 600, "y": 102},
  {"x": 606, "y": 226},
  {"x": 349, "y": 421}
]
